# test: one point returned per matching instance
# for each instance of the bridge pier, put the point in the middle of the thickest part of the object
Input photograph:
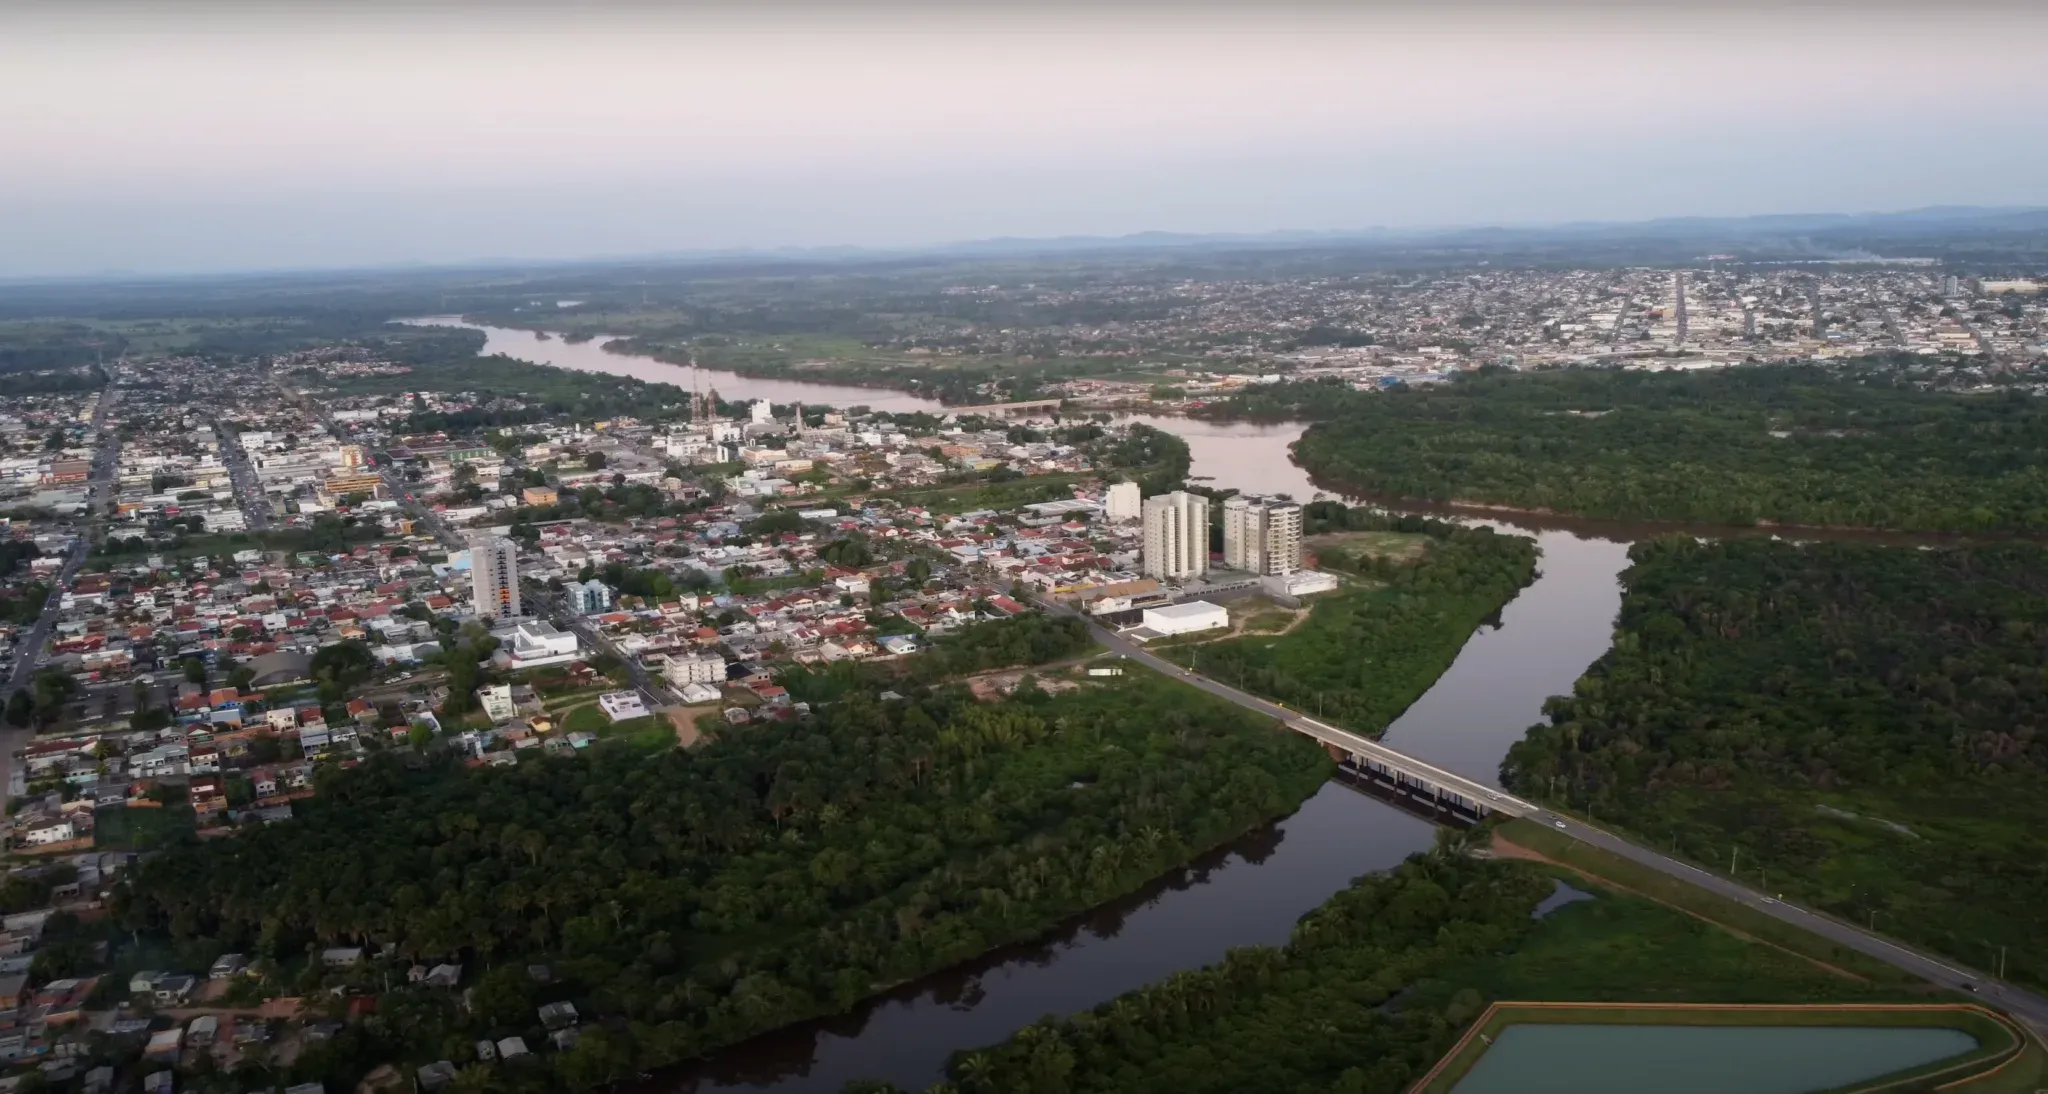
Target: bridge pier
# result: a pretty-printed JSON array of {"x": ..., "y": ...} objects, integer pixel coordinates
[{"x": 1413, "y": 788}]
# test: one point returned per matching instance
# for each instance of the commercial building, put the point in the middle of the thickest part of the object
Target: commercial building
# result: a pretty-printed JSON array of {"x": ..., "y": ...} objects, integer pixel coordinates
[
  {"x": 588, "y": 597},
  {"x": 539, "y": 495},
  {"x": 494, "y": 577},
  {"x": 1177, "y": 535},
  {"x": 532, "y": 644},
  {"x": 1261, "y": 535},
  {"x": 1122, "y": 502},
  {"x": 1193, "y": 615}
]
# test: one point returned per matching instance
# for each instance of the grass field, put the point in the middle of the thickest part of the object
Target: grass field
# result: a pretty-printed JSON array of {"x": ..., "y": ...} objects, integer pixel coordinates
[
  {"x": 991, "y": 495},
  {"x": 1999, "y": 1041},
  {"x": 1671, "y": 891},
  {"x": 1395, "y": 545}
]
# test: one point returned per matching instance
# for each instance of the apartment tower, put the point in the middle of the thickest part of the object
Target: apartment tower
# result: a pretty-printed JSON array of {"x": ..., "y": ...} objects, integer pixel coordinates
[
  {"x": 1177, "y": 535},
  {"x": 1122, "y": 501},
  {"x": 1261, "y": 535},
  {"x": 494, "y": 576}
]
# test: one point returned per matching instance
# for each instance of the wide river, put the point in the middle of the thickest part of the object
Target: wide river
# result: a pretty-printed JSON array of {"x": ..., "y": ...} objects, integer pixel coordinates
[
  {"x": 591, "y": 356},
  {"x": 1249, "y": 893}
]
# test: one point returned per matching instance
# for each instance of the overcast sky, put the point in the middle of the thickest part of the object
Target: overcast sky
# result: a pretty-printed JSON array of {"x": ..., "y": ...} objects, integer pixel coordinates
[{"x": 179, "y": 137}]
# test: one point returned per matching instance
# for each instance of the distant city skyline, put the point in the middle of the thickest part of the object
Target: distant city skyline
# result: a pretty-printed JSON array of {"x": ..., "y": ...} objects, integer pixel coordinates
[{"x": 198, "y": 139}]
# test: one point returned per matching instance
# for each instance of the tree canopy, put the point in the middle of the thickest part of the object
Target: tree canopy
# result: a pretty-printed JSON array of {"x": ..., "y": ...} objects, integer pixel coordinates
[
  {"x": 776, "y": 873},
  {"x": 1860, "y": 725},
  {"x": 1785, "y": 444}
]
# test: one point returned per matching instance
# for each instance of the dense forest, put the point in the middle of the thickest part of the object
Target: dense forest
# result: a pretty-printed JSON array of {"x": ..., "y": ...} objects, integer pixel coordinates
[
  {"x": 1373, "y": 647},
  {"x": 1377, "y": 984},
  {"x": 775, "y": 874},
  {"x": 1860, "y": 726},
  {"x": 1785, "y": 444}
]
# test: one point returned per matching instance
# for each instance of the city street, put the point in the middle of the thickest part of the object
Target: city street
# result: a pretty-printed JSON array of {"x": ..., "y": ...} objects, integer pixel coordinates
[{"x": 99, "y": 491}]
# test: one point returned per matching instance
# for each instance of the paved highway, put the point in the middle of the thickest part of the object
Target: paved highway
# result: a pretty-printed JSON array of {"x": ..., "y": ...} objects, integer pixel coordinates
[{"x": 2022, "y": 1004}]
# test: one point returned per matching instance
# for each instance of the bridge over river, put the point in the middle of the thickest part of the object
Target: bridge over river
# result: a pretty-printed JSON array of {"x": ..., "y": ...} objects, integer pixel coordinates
[{"x": 1456, "y": 796}]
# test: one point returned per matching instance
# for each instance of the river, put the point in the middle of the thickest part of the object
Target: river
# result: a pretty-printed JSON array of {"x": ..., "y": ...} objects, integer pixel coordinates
[
  {"x": 1249, "y": 893},
  {"x": 591, "y": 356}
]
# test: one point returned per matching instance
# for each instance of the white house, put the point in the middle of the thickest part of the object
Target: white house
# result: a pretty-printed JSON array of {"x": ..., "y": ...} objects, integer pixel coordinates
[
  {"x": 56, "y": 831},
  {"x": 699, "y": 693},
  {"x": 621, "y": 705}
]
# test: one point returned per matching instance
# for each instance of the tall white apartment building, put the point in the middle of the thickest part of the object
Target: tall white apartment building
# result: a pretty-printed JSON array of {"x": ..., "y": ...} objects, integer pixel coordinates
[
  {"x": 1261, "y": 535},
  {"x": 1122, "y": 502},
  {"x": 494, "y": 576},
  {"x": 1177, "y": 535}
]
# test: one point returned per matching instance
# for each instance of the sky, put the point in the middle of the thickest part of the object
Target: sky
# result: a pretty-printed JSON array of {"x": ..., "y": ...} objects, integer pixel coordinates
[{"x": 182, "y": 137}]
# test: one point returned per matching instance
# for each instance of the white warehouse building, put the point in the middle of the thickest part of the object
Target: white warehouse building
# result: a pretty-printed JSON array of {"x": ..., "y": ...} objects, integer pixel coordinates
[{"x": 1185, "y": 618}]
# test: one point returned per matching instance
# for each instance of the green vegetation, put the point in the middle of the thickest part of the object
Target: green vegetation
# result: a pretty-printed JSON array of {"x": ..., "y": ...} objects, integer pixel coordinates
[
  {"x": 1156, "y": 460},
  {"x": 1851, "y": 725},
  {"x": 42, "y": 702},
  {"x": 1785, "y": 444},
  {"x": 1374, "y": 646},
  {"x": 141, "y": 828},
  {"x": 1665, "y": 889},
  {"x": 1033, "y": 639},
  {"x": 1377, "y": 983},
  {"x": 967, "y": 493},
  {"x": 509, "y": 391},
  {"x": 767, "y": 876}
]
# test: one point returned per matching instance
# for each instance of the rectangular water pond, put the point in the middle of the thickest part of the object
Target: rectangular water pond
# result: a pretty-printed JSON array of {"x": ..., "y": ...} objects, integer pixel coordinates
[{"x": 1548, "y": 1058}]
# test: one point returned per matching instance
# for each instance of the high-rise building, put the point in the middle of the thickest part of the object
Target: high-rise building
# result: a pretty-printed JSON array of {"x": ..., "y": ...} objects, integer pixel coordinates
[
  {"x": 1177, "y": 535},
  {"x": 761, "y": 413},
  {"x": 1122, "y": 502},
  {"x": 1261, "y": 535},
  {"x": 1952, "y": 286},
  {"x": 494, "y": 576}
]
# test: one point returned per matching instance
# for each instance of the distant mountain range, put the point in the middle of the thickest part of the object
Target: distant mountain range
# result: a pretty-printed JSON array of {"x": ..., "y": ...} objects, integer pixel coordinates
[
  {"x": 1930, "y": 221},
  {"x": 2004, "y": 233}
]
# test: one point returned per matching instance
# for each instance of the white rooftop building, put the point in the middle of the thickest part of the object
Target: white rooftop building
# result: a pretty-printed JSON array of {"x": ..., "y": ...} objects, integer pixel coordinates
[
  {"x": 535, "y": 643},
  {"x": 1185, "y": 618},
  {"x": 621, "y": 705}
]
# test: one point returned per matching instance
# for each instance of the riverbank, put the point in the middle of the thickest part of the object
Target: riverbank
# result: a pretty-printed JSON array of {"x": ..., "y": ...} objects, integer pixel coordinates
[{"x": 1376, "y": 985}]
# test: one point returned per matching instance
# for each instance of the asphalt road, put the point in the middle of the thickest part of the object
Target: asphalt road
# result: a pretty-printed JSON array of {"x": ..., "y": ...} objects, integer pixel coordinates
[
  {"x": 536, "y": 595},
  {"x": 2025, "y": 1005},
  {"x": 255, "y": 503},
  {"x": 99, "y": 490}
]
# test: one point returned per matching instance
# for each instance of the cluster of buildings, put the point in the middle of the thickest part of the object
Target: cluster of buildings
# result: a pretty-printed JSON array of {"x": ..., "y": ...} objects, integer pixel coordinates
[
  {"x": 1208, "y": 338},
  {"x": 46, "y": 450},
  {"x": 1262, "y": 551}
]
